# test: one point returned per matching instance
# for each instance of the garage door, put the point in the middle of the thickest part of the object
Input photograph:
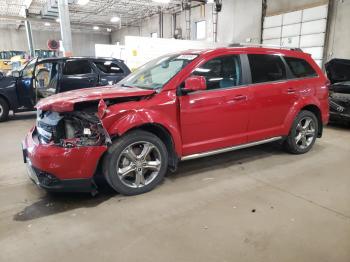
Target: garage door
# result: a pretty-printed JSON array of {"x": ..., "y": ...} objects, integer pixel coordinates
[{"x": 304, "y": 28}]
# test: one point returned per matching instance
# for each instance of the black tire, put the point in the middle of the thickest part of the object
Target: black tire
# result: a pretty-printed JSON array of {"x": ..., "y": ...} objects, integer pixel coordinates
[
  {"x": 4, "y": 110},
  {"x": 112, "y": 161},
  {"x": 291, "y": 145}
]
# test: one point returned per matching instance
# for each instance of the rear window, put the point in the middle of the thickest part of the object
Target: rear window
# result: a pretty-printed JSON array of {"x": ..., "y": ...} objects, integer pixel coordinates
[
  {"x": 77, "y": 67},
  {"x": 300, "y": 68},
  {"x": 266, "y": 68},
  {"x": 108, "y": 67}
]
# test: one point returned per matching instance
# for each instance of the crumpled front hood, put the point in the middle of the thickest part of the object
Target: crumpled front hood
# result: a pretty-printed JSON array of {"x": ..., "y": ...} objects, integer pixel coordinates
[
  {"x": 64, "y": 102},
  {"x": 338, "y": 70}
]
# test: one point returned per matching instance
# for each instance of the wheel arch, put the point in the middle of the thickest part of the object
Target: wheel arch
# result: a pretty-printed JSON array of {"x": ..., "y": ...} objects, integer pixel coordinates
[
  {"x": 315, "y": 110},
  {"x": 158, "y": 130},
  {"x": 163, "y": 134}
]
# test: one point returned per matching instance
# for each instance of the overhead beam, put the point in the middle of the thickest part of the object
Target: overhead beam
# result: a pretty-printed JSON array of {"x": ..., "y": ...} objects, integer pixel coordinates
[{"x": 42, "y": 20}]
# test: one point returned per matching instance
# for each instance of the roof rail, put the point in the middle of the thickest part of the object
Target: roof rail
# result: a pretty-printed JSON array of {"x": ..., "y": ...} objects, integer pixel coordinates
[{"x": 264, "y": 45}]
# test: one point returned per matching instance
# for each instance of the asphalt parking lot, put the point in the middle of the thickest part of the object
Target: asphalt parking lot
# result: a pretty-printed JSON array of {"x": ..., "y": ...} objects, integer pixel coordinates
[{"x": 257, "y": 204}]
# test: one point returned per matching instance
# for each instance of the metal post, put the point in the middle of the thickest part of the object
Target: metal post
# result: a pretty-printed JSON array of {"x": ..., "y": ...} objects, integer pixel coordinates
[
  {"x": 188, "y": 22},
  {"x": 29, "y": 38},
  {"x": 161, "y": 24},
  {"x": 66, "y": 33},
  {"x": 215, "y": 16}
]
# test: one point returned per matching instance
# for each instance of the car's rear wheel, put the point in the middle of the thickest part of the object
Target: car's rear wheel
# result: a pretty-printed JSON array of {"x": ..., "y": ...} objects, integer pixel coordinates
[
  {"x": 303, "y": 133},
  {"x": 4, "y": 110},
  {"x": 135, "y": 163}
]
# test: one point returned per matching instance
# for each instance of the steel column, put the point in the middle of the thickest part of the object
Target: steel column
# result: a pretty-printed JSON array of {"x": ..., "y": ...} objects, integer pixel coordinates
[
  {"x": 29, "y": 38},
  {"x": 66, "y": 33}
]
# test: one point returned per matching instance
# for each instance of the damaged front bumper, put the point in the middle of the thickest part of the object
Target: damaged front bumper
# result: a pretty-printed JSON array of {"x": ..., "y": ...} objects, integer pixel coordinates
[{"x": 57, "y": 168}]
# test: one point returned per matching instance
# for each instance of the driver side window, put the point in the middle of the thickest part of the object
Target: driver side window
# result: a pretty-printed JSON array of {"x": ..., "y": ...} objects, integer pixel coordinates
[{"x": 221, "y": 72}]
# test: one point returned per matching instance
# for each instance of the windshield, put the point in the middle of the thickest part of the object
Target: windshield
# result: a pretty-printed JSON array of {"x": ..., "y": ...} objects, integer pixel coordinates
[
  {"x": 155, "y": 74},
  {"x": 9, "y": 54},
  {"x": 5, "y": 55},
  {"x": 44, "y": 53}
]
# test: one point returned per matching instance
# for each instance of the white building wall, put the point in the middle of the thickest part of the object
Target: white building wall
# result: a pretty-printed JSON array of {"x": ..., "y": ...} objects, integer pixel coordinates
[
  {"x": 234, "y": 25},
  {"x": 83, "y": 43}
]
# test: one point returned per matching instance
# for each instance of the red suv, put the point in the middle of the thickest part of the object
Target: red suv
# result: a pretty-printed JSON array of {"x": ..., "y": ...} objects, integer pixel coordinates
[{"x": 177, "y": 107}]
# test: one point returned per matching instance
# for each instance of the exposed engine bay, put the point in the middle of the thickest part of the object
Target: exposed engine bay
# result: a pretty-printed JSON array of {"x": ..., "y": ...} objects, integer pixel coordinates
[
  {"x": 338, "y": 72},
  {"x": 339, "y": 97},
  {"x": 71, "y": 129}
]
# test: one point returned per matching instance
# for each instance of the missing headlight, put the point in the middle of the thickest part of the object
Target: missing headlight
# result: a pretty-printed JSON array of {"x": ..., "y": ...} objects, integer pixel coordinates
[{"x": 72, "y": 129}]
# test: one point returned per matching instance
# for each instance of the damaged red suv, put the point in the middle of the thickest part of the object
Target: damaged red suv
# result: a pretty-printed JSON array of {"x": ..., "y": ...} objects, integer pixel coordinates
[{"x": 177, "y": 107}]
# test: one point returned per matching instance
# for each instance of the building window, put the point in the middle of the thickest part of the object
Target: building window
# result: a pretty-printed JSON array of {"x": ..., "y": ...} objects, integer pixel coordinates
[
  {"x": 154, "y": 35},
  {"x": 200, "y": 30}
]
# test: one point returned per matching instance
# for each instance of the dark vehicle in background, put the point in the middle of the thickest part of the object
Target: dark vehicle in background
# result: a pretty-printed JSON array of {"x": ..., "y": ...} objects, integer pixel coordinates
[
  {"x": 338, "y": 72},
  {"x": 40, "y": 78}
]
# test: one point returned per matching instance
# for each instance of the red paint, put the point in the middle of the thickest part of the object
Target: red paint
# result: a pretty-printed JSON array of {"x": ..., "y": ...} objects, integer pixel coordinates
[
  {"x": 197, "y": 122},
  {"x": 64, "y": 102},
  {"x": 195, "y": 83},
  {"x": 64, "y": 163}
]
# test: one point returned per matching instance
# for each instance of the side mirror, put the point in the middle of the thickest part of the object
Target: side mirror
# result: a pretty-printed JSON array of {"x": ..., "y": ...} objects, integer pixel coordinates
[
  {"x": 195, "y": 83},
  {"x": 16, "y": 74}
]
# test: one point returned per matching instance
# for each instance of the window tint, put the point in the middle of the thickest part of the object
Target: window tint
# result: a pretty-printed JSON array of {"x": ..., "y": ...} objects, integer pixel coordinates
[
  {"x": 77, "y": 67},
  {"x": 266, "y": 68},
  {"x": 108, "y": 67},
  {"x": 221, "y": 72},
  {"x": 300, "y": 68}
]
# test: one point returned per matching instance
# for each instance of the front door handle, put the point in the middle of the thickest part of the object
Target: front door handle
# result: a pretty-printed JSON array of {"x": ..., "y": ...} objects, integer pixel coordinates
[
  {"x": 236, "y": 98},
  {"x": 240, "y": 98},
  {"x": 291, "y": 90}
]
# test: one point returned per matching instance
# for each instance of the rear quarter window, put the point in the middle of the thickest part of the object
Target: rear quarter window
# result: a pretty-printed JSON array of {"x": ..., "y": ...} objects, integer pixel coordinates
[{"x": 300, "y": 68}]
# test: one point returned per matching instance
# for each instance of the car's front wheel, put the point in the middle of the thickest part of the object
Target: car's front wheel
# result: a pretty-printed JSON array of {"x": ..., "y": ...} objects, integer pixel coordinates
[
  {"x": 135, "y": 163},
  {"x": 303, "y": 133}
]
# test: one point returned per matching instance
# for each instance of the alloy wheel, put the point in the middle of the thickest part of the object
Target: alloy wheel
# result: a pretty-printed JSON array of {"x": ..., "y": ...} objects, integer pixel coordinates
[
  {"x": 305, "y": 132},
  {"x": 139, "y": 164}
]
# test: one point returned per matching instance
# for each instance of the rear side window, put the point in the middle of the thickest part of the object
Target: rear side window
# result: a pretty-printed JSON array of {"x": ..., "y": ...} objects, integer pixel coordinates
[
  {"x": 108, "y": 67},
  {"x": 77, "y": 67},
  {"x": 299, "y": 67},
  {"x": 266, "y": 68}
]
